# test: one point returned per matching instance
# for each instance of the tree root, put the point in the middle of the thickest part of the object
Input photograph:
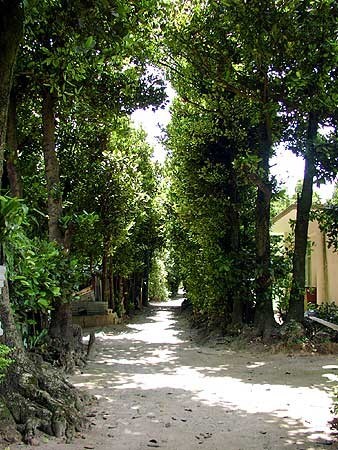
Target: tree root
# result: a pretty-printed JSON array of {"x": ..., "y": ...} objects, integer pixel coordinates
[{"x": 36, "y": 398}]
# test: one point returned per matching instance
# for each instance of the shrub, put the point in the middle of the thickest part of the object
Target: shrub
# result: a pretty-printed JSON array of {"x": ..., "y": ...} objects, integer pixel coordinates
[
  {"x": 158, "y": 290},
  {"x": 5, "y": 360}
]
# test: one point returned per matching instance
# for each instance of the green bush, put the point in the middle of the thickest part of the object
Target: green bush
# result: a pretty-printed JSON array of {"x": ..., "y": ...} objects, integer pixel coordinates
[
  {"x": 327, "y": 311},
  {"x": 5, "y": 360},
  {"x": 38, "y": 270},
  {"x": 281, "y": 262},
  {"x": 158, "y": 290}
]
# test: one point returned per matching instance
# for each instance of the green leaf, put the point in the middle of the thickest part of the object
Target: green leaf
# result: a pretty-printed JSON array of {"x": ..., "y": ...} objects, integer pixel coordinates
[
  {"x": 43, "y": 303},
  {"x": 56, "y": 291},
  {"x": 90, "y": 42}
]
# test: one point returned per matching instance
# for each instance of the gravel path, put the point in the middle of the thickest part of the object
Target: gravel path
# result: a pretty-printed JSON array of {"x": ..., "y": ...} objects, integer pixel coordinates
[{"x": 159, "y": 389}]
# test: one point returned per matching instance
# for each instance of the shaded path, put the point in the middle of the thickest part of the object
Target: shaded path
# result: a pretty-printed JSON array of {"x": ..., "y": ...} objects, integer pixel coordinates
[{"x": 158, "y": 389}]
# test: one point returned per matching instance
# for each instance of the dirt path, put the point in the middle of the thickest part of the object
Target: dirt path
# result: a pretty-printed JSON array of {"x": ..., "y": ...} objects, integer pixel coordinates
[{"x": 158, "y": 389}]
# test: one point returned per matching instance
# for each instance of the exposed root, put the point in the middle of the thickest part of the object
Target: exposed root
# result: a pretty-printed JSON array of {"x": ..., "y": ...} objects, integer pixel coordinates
[{"x": 36, "y": 398}]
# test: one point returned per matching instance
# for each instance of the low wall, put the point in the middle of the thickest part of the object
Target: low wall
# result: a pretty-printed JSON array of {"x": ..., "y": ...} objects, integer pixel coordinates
[
  {"x": 93, "y": 321},
  {"x": 89, "y": 308}
]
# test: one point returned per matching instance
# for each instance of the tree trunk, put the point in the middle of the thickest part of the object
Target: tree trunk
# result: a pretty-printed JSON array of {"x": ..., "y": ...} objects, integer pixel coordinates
[
  {"x": 13, "y": 171},
  {"x": 11, "y": 24},
  {"x": 131, "y": 291},
  {"x": 104, "y": 273},
  {"x": 52, "y": 171},
  {"x": 127, "y": 293},
  {"x": 12, "y": 337},
  {"x": 237, "y": 302},
  {"x": 145, "y": 290},
  {"x": 123, "y": 298},
  {"x": 304, "y": 203},
  {"x": 111, "y": 284},
  {"x": 65, "y": 347},
  {"x": 26, "y": 396},
  {"x": 264, "y": 318},
  {"x": 138, "y": 291},
  {"x": 141, "y": 291},
  {"x": 119, "y": 296},
  {"x": 61, "y": 322},
  {"x": 116, "y": 291},
  {"x": 61, "y": 318}
]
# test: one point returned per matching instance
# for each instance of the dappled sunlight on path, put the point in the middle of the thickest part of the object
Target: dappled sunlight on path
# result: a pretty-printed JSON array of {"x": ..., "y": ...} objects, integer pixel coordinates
[
  {"x": 160, "y": 331},
  {"x": 158, "y": 389}
]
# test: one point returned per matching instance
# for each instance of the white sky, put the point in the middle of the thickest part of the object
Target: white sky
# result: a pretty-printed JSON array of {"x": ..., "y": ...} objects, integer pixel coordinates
[
  {"x": 287, "y": 167},
  {"x": 153, "y": 122}
]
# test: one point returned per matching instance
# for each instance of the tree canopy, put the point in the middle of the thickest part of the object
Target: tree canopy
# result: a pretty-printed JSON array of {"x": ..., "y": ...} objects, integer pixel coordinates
[{"x": 82, "y": 201}]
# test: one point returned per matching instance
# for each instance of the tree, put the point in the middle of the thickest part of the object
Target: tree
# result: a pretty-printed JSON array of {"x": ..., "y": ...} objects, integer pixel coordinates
[
  {"x": 208, "y": 211},
  {"x": 63, "y": 47},
  {"x": 121, "y": 178},
  {"x": 225, "y": 50},
  {"x": 11, "y": 22},
  {"x": 11, "y": 17},
  {"x": 309, "y": 69},
  {"x": 11, "y": 155},
  {"x": 63, "y": 52},
  {"x": 263, "y": 54}
]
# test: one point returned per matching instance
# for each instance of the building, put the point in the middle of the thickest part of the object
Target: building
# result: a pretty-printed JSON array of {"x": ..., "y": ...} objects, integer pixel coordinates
[{"x": 321, "y": 261}]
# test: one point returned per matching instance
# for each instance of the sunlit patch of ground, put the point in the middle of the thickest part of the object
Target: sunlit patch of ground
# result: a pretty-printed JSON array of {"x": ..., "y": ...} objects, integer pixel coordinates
[{"x": 158, "y": 388}]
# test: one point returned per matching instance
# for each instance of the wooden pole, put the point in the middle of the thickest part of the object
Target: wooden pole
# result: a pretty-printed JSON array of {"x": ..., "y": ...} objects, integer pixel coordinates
[{"x": 324, "y": 322}]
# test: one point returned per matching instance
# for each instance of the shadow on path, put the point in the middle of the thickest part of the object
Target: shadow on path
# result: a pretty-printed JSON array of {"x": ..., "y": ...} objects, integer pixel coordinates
[{"x": 159, "y": 389}]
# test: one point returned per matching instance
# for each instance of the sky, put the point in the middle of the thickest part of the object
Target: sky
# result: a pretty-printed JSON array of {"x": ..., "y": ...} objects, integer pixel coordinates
[
  {"x": 153, "y": 122},
  {"x": 287, "y": 167}
]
